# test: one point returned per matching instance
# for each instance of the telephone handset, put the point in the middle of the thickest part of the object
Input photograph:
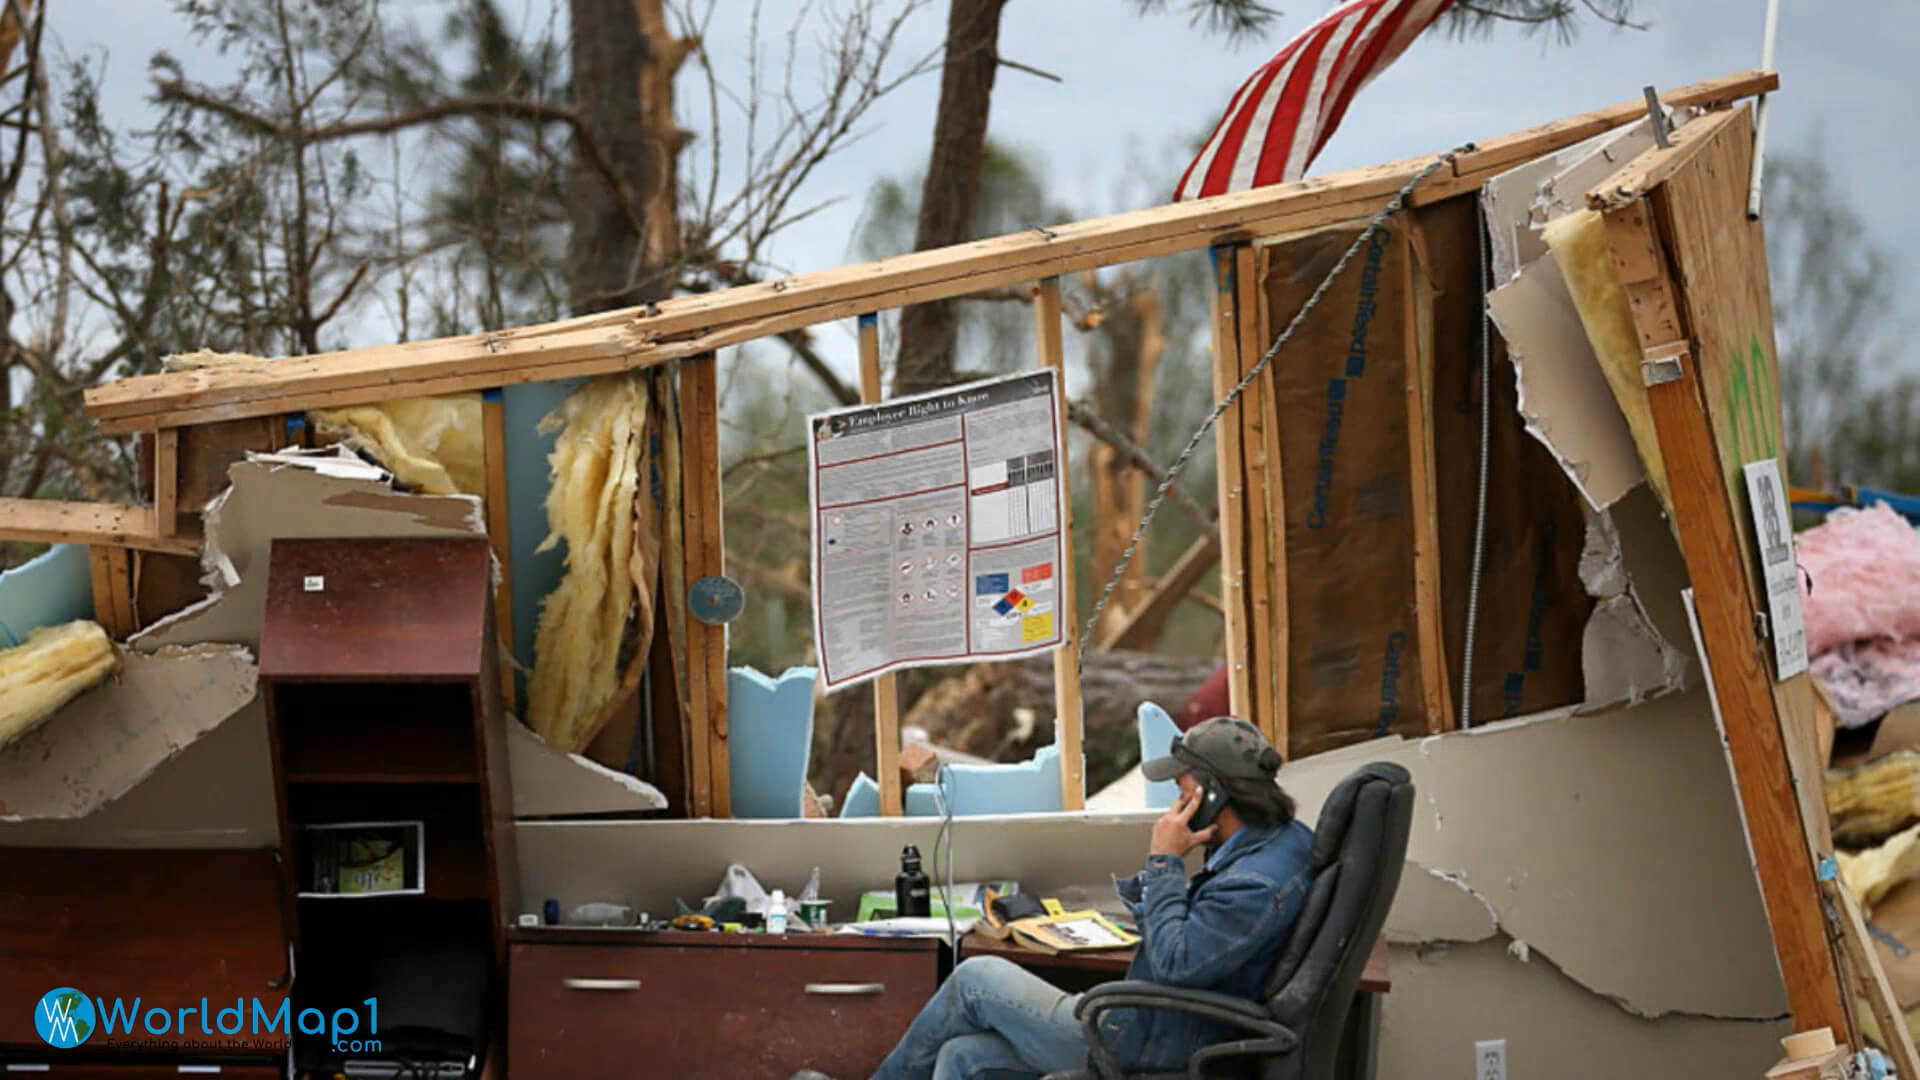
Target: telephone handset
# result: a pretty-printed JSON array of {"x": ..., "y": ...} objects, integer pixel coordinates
[{"x": 1213, "y": 799}]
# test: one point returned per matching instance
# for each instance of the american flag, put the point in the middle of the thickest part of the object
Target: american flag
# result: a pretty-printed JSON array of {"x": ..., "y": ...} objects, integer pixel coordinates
[{"x": 1281, "y": 116}]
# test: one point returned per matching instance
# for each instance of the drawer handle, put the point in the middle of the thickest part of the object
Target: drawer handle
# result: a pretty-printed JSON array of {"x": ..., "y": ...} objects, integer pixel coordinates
[
  {"x": 847, "y": 989},
  {"x": 601, "y": 984}
]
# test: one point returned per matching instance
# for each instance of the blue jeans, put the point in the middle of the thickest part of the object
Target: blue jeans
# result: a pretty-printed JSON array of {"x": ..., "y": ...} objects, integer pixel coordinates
[{"x": 990, "y": 1016}]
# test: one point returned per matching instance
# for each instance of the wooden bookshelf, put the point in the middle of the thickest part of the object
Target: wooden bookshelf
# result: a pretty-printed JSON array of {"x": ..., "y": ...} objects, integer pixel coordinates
[{"x": 382, "y": 694}]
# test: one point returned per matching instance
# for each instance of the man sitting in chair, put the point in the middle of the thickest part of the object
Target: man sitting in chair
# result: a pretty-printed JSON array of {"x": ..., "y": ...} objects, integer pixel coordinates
[{"x": 1221, "y": 931}]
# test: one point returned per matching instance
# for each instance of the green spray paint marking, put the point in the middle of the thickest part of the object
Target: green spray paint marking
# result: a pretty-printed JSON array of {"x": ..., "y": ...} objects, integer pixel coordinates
[{"x": 1751, "y": 404}]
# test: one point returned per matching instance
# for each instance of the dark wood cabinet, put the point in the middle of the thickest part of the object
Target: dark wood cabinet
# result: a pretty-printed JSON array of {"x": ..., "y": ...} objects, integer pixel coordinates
[
  {"x": 595, "y": 1004},
  {"x": 168, "y": 929},
  {"x": 93, "y": 1070},
  {"x": 381, "y": 678}
]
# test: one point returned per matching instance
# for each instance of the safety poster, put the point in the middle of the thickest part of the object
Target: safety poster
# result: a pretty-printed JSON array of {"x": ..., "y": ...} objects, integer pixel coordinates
[{"x": 936, "y": 527}]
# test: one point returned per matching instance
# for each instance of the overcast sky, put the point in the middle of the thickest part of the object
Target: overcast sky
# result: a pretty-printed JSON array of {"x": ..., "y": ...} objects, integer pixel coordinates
[{"x": 1134, "y": 88}]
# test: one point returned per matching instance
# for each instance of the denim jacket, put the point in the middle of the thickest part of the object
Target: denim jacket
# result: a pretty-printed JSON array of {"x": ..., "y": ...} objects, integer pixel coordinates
[{"x": 1220, "y": 932}]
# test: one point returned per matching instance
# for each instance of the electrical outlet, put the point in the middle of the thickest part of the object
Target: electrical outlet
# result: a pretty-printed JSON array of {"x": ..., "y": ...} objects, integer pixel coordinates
[{"x": 1490, "y": 1059}]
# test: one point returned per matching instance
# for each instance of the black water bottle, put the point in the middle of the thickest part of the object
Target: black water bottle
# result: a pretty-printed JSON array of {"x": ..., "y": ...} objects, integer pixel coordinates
[{"x": 912, "y": 894}]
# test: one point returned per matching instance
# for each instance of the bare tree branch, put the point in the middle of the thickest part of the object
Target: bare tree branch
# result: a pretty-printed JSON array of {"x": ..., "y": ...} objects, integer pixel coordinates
[{"x": 1083, "y": 415}]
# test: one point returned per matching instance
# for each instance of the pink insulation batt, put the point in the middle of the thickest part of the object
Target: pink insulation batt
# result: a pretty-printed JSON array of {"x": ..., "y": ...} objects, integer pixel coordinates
[{"x": 1865, "y": 566}]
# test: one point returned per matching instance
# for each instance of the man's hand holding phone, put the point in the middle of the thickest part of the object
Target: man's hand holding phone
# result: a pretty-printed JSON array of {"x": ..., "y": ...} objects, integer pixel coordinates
[{"x": 1171, "y": 834}]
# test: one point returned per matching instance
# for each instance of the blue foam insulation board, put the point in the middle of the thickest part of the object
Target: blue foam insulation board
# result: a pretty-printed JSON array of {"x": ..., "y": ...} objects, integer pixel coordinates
[
  {"x": 1157, "y": 731},
  {"x": 769, "y": 739},
  {"x": 51, "y": 588},
  {"x": 1030, "y": 787}
]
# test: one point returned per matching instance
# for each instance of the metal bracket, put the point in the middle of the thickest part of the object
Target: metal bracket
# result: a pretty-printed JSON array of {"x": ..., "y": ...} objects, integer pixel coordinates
[
  {"x": 1763, "y": 626},
  {"x": 1662, "y": 130},
  {"x": 1655, "y": 370}
]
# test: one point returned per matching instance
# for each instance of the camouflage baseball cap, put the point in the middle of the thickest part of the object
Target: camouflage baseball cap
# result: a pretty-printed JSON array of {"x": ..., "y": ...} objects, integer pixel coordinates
[{"x": 1227, "y": 745}]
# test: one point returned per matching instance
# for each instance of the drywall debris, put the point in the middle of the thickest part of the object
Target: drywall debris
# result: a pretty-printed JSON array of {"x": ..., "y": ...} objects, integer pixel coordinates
[
  {"x": 1579, "y": 245},
  {"x": 1519, "y": 951},
  {"x": 1519, "y": 202},
  {"x": 1626, "y": 655},
  {"x": 111, "y": 737},
  {"x": 1579, "y": 830},
  {"x": 613, "y": 550},
  {"x": 1439, "y": 905},
  {"x": 52, "y": 667},
  {"x": 321, "y": 494},
  {"x": 553, "y": 783},
  {"x": 1563, "y": 394},
  {"x": 1444, "y": 999}
]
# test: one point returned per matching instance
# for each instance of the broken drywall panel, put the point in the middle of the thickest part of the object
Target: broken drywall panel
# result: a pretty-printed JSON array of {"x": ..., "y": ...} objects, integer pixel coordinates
[
  {"x": 1564, "y": 396},
  {"x": 53, "y": 587},
  {"x": 552, "y": 783},
  {"x": 52, "y": 667},
  {"x": 1446, "y": 1000},
  {"x": 1586, "y": 831},
  {"x": 1656, "y": 570},
  {"x": 218, "y": 792},
  {"x": 1625, "y": 661},
  {"x": 334, "y": 461},
  {"x": 110, "y": 738},
  {"x": 1438, "y": 905},
  {"x": 1634, "y": 645},
  {"x": 322, "y": 495},
  {"x": 1579, "y": 245},
  {"x": 1519, "y": 201}
]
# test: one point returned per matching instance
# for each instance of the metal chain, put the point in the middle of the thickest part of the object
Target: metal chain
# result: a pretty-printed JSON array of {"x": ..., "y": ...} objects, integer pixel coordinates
[{"x": 1394, "y": 206}]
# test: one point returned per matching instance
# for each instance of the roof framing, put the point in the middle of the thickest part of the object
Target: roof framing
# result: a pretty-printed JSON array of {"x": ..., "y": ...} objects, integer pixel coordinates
[{"x": 687, "y": 326}]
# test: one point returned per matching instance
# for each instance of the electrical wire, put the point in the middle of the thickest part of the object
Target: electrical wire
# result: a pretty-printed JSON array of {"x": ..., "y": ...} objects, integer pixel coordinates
[
  {"x": 942, "y": 793},
  {"x": 1465, "y": 718}
]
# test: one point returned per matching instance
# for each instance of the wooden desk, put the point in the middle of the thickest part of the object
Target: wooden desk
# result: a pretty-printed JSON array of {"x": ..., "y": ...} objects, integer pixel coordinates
[
  {"x": 1376, "y": 979},
  {"x": 1359, "y": 1043},
  {"x": 587, "y": 1004}
]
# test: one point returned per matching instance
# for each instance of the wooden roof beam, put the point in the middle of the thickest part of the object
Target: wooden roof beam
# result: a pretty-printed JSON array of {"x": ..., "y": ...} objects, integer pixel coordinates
[{"x": 690, "y": 325}]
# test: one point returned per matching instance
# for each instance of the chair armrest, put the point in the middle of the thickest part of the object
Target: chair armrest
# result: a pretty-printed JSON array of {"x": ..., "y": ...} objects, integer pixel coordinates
[
  {"x": 1138, "y": 993},
  {"x": 1224, "y": 1008}
]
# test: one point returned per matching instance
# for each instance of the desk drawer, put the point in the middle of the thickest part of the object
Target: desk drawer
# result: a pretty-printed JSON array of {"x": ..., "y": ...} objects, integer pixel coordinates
[{"x": 590, "y": 1011}]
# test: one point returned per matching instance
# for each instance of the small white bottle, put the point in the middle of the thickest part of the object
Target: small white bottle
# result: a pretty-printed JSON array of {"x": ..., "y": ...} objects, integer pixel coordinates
[{"x": 777, "y": 913}]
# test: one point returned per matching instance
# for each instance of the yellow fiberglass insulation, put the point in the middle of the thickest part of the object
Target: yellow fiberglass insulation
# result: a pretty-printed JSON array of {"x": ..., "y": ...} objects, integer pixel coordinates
[
  {"x": 1871, "y": 874},
  {"x": 1876, "y": 800},
  {"x": 433, "y": 445},
  {"x": 1579, "y": 244},
  {"x": 596, "y": 474},
  {"x": 52, "y": 667}
]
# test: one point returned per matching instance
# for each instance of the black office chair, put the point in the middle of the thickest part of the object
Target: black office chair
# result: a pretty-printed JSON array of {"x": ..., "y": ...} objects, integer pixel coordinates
[{"x": 1360, "y": 844}]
